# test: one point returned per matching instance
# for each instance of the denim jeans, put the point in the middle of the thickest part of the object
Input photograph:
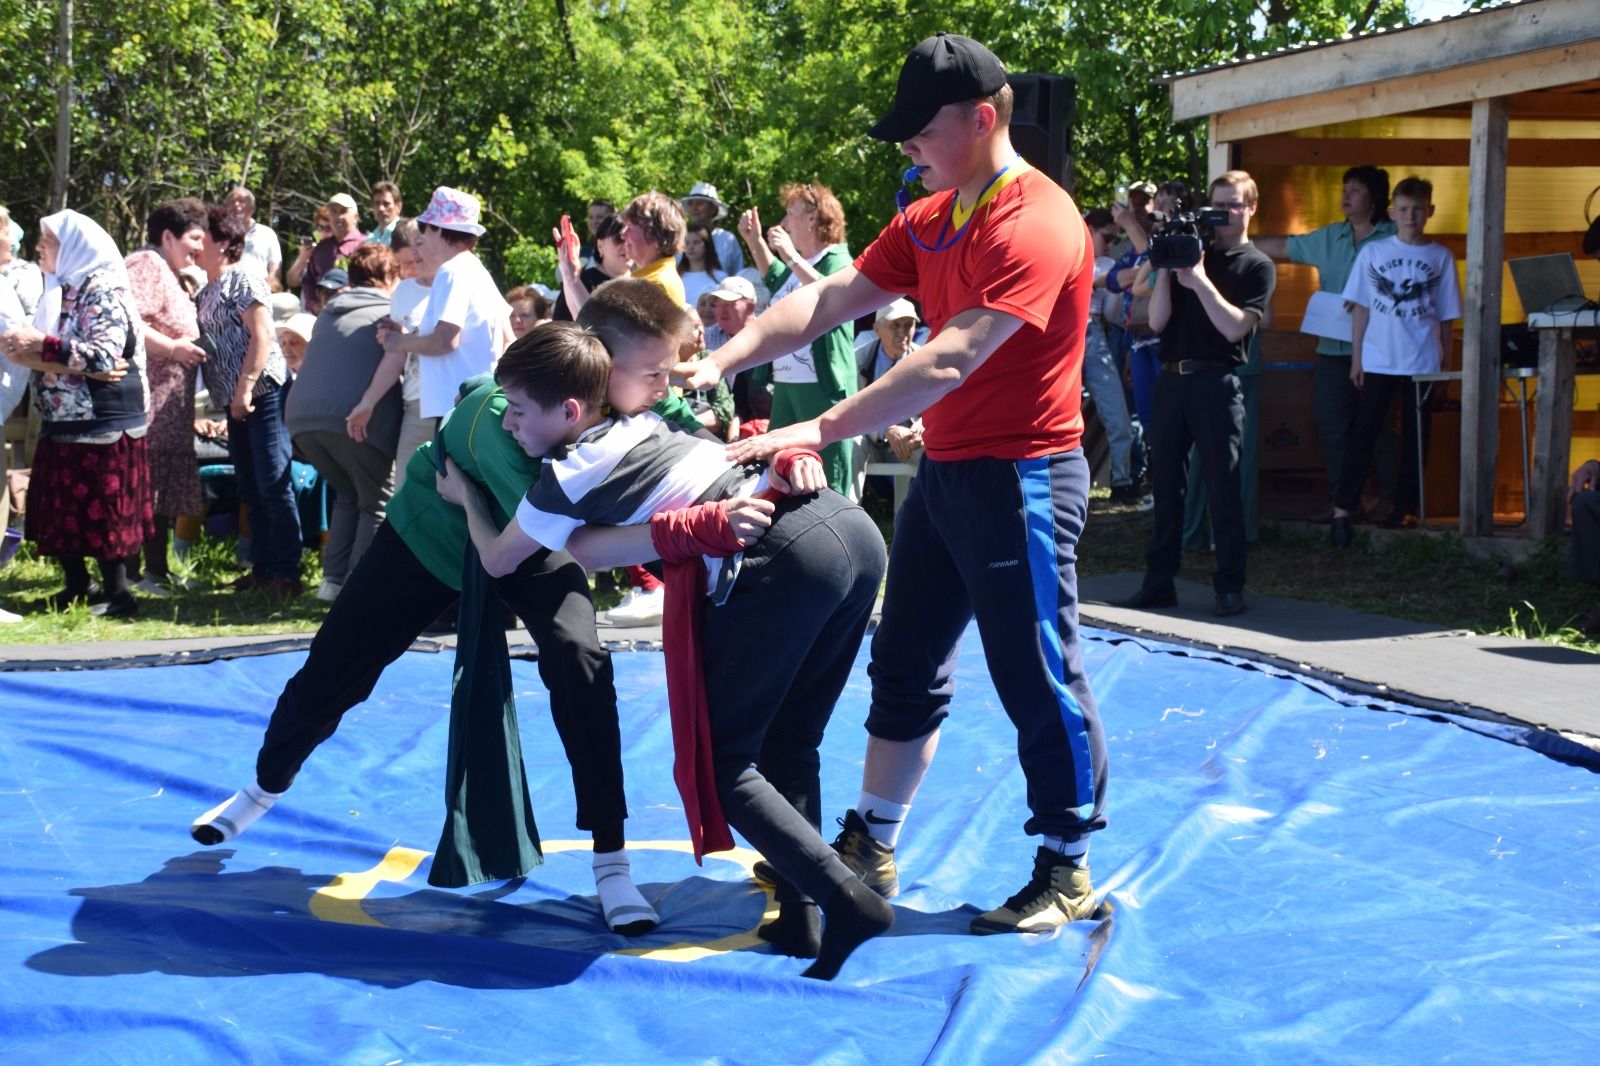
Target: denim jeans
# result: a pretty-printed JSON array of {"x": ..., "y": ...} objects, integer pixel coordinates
[
  {"x": 1100, "y": 377},
  {"x": 1144, "y": 367},
  {"x": 259, "y": 449}
]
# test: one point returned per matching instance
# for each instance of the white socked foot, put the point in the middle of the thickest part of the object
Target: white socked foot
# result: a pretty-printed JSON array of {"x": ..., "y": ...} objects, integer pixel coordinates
[
  {"x": 625, "y": 909},
  {"x": 233, "y": 815}
]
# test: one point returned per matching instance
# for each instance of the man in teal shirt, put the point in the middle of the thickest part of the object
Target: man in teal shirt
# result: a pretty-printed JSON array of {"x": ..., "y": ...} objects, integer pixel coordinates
[{"x": 1332, "y": 250}]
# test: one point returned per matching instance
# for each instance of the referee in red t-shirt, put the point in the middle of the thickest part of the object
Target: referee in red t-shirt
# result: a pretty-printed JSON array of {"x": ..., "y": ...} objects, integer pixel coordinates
[{"x": 1000, "y": 260}]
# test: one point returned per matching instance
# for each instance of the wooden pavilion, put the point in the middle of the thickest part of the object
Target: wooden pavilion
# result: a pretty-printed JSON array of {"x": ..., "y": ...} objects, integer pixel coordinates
[{"x": 1500, "y": 109}]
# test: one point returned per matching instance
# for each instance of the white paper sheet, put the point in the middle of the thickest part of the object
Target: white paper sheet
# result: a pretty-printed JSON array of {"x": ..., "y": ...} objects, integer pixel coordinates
[{"x": 1326, "y": 317}]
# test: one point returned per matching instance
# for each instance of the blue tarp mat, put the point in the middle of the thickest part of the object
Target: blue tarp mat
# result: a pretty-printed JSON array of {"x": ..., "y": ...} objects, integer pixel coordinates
[{"x": 1294, "y": 875}]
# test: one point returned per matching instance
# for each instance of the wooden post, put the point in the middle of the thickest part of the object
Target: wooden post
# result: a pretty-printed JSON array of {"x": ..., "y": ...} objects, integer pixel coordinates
[
  {"x": 1219, "y": 154},
  {"x": 1480, "y": 345},
  {"x": 1552, "y": 433}
]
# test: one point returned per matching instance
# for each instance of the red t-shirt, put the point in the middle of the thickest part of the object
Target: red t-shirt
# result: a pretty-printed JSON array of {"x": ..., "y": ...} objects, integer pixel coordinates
[{"x": 1027, "y": 254}]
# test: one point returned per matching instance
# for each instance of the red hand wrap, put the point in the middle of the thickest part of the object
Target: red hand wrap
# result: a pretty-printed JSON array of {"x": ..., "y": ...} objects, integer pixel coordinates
[
  {"x": 783, "y": 462},
  {"x": 691, "y": 532},
  {"x": 783, "y": 465}
]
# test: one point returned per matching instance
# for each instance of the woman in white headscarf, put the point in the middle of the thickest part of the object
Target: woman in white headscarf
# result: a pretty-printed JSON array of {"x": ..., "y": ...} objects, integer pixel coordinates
[{"x": 89, "y": 494}]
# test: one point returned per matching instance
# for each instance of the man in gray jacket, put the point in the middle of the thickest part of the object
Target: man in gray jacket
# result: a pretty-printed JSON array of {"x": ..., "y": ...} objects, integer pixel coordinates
[{"x": 339, "y": 363}]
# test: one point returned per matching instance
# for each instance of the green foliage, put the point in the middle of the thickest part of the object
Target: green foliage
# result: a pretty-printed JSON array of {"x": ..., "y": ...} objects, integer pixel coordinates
[
  {"x": 530, "y": 260},
  {"x": 539, "y": 105}
]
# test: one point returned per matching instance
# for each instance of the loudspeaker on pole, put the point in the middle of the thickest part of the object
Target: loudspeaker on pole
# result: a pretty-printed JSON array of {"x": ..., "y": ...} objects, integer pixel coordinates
[{"x": 1041, "y": 122}]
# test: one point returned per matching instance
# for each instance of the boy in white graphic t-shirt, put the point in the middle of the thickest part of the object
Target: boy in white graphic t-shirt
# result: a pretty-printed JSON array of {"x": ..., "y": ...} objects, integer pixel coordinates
[{"x": 1403, "y": 295}]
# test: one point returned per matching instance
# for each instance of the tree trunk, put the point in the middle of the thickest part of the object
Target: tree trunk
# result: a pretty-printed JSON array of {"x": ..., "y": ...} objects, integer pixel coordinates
[{"x": 63, "y": 161}]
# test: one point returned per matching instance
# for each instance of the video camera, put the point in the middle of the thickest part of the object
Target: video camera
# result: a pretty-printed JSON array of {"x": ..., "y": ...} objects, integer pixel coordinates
[{"x": 1178, "y": 242}]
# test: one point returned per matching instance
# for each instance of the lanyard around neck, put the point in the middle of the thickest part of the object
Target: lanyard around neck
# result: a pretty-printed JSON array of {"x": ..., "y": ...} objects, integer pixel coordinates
[{"x": 902, "y": 200}]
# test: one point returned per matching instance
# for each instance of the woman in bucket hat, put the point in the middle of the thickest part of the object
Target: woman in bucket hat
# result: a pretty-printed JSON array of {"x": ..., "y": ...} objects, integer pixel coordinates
[{"x": 465, "y": 325}]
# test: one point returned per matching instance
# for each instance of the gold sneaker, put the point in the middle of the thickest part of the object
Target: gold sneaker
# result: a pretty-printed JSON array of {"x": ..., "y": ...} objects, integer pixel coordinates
[
  {"x": 869, "y": 860},
  {"x": 1058, "y": 893}
]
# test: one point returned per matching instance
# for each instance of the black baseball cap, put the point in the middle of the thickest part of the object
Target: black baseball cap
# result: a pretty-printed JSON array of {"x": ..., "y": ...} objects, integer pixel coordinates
[{"x": 944, "y": 69}]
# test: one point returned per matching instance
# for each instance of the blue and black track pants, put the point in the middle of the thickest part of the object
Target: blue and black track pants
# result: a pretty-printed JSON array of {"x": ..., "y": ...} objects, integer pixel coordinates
[{"x": 996, "y": 540}]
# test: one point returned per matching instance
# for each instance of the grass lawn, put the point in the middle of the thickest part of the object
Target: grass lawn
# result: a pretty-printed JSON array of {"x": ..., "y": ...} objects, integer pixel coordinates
[
  {"x": 209, "y": 610},
  {"x": 1419, "y": 577}
]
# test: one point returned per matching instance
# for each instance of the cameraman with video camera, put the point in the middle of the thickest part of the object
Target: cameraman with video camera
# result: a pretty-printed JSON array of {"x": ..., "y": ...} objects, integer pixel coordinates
[{"x": 1211, "y": 289}]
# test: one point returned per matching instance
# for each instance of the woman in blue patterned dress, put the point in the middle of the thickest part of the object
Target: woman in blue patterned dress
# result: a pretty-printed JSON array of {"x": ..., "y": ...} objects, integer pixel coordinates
[{"x": 246, "y": 372}]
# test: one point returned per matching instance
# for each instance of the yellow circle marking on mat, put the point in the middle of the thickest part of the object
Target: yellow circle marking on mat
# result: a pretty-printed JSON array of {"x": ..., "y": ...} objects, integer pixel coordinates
[{"x": 340, "y": 899}]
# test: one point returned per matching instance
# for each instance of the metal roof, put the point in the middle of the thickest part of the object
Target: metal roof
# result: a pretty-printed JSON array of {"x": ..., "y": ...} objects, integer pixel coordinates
[{"x": 1310, "y": 46}]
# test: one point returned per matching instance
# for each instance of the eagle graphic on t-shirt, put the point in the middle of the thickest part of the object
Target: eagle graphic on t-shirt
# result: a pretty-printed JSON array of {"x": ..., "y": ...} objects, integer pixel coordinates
[{"x": 1409, "y": 290}]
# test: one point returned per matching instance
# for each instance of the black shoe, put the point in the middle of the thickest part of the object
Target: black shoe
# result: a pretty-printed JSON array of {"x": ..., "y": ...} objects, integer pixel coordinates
[
  {"x": 1150, "y": 596},
  {"x": 1059, "y": 892},
  {"x": 1340, "y": 535},
  {"x": 279, "y": 589},
  {"x": 1228, "y": 604},
  {"x": 123, "y": 606},
  {"x": 1128, "y": 493},
  {"x": 63, "y": 600}
]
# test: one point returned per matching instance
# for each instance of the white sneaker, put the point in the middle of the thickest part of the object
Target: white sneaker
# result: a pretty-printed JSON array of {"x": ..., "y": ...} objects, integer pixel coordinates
[
  {"x": 328, "y": 591},
  {"x": 150, "y": 585},
  {"x": 638, "y": 608}
]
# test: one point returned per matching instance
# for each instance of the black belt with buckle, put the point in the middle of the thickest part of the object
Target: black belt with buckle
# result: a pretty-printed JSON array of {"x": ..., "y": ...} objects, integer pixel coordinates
[{"x": 1196, "y": 366}]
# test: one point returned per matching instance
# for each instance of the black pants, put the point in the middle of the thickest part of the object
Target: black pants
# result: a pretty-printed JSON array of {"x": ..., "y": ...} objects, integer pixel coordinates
[
  {"x": 1378, "y": 395},
  {"x": 996, "y": 540},
  {"x": 1334, "y": 406},
  {"x": 1206, "y": 410},
  {"x": 389, "y": 598},
  {"x": 777, "y": 654},
  {"x": 1584, "y": 562}
]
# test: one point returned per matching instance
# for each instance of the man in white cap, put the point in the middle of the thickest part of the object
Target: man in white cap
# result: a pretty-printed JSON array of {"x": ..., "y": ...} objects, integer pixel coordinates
[
  {"x": 999, "y": 259},
  {"x": 893, "y": 337},
  {"x": 704, "y": 208},
  {"x": 735, "y": 301},
  {"x": 735, "y": 304},
  {"x": 346, "y": 238}
]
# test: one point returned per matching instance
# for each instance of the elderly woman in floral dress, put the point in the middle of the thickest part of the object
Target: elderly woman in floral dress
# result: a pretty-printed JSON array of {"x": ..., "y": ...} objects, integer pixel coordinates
[
  {"x": 175, "y": 233},
  {"x": 89, "y": 495}
]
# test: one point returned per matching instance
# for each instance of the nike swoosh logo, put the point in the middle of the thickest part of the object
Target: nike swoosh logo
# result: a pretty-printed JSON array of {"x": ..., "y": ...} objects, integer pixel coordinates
[{"x": 872, "y": 819}]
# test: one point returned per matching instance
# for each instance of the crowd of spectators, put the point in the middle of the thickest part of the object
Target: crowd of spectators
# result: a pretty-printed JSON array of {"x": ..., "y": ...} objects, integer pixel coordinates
[
  {"x": 354, "y": 375},
  {"x": 341, "y": 361}
]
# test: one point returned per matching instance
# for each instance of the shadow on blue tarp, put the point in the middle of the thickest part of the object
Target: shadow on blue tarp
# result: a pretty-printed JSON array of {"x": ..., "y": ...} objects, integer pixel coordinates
[{"x": 1294, "y": 873}]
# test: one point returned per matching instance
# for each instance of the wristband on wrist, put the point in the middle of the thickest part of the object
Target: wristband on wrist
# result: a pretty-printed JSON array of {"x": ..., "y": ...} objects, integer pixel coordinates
[{"x": 51, "y": 352}]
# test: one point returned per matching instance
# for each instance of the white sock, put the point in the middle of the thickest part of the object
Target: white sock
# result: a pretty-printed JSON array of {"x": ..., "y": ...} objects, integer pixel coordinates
[
  {"x": 884, "y": 817},
  {"x": 625, "y": 909},
  {"x": 1075, "y": 850},
  {"x": 233, "y": 815}
]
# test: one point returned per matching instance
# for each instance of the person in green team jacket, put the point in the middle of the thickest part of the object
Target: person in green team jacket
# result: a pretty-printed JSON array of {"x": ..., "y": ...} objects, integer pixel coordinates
[{"x": 806, "y": 247}]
